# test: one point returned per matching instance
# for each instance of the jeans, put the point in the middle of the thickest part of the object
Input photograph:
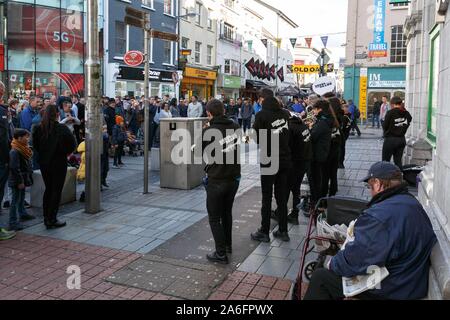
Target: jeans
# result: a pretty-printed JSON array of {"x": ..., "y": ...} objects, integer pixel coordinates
[
  {"x": 54, "y": 176},
  {"x": 17, "y": 206},
  {"x": 326, "y": 285},
  {"x": 376, "y": 120},
  {"x": 280, "y": 182},
  {"x": 394, "y": 146},
  {"x": 219, "y": 203},
  {"x": 4, "y": 173},
  {"x": 246, "y": 124}
]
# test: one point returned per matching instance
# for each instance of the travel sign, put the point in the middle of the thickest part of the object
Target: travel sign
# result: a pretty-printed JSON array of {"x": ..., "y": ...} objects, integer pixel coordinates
[{"x": 379, "y": 48}]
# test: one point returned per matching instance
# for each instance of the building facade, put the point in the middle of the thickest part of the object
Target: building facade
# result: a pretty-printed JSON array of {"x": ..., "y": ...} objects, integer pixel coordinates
[
  {"x": 427, "y": 30},
  {"x": 42, "y": 46},
  {"x": 375, "y": 52},
  {"x": 121, "y": 80},
  {"x": 198, "y": 35}
]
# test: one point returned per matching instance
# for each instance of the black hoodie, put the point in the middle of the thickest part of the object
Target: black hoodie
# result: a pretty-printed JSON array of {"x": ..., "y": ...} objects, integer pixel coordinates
[
  {"x": 396, "y": 123},
  {"x": 321, "y": 137},
  {"x": 229, "y": 142},
  {"x": 272, "y": 117},
  {"x": 300, "y": 141},
  {"x": 4, "y": 135}
]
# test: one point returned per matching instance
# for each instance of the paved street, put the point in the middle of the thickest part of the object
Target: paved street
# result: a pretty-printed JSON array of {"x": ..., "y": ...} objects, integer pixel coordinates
[{"x": 154, "y": 246}]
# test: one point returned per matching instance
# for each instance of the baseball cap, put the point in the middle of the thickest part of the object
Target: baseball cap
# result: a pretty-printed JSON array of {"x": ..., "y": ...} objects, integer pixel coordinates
[{"x": 382, "y": 170}]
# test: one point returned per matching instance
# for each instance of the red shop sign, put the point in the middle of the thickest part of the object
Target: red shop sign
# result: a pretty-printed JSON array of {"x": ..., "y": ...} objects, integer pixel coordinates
[{"x": 133, "y": 58}]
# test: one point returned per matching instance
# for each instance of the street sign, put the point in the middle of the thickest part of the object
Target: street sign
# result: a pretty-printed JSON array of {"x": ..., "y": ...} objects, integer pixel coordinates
[
  {"x": 326, "y": 59},
  {"x": 324, "y": 85},
  {"x": 133, "y": 58},
  {"x": 185, "y": 52},
  {"x": 310, "y": 69},
  {"x": 175, "y": 77},
  {"x": 138, "y": 14},
  {"x": 163, "y": 35},
  {"x": 132, "y": 21}
]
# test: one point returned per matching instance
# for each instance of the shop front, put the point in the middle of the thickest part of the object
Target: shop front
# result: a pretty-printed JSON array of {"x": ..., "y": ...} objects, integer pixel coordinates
[
  {"x": 228, "y": 86},
  {"x": 362, "y": 85},
  {"x": 44, "y": 48},
  {"x": 130, "y": 81},
  {"x": 198, "y": 82}
]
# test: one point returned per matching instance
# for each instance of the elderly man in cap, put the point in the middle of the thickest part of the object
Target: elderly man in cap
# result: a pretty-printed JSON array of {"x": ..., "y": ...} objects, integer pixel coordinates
[{"x": 393, "y": 232}]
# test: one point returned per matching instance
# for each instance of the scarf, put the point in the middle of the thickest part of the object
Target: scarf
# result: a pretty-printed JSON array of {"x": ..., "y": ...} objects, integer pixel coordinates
[{"x": 23, "y": 149}]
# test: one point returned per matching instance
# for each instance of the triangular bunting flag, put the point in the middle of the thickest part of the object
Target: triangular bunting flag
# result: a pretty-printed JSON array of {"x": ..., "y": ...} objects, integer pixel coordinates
[
  {"x": 280, "y": 74},
  {"x": 264, "y": 41},
  {"x": 293, "y": 42},
  {"x": 308, "y": 42}
]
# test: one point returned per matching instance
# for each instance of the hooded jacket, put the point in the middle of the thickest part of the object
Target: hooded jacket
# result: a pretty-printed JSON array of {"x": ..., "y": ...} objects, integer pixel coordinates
[
  {"x": 229, "y": 142},
  {"x": 396, "y": 123},
  {"x": 394, "y": 232},
  {"x": 276, "y": 120},
  {"x": 300, "y": 141},
  {"x": 321, "y": 137}
]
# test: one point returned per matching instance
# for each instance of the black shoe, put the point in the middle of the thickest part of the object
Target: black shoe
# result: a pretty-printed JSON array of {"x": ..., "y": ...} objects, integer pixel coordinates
[
  {"x": 284, "y": 236},
  {"x": 229, "y": 249},
  {"x": 261, "y": 237},
  {"x": 27, "y": 217},
  {"x": 104, "y": 184},
  {"x": 56, "y": 225},
  {"x": 341, "y": 166},
  {"x": 83, "y": 197},
  {"x": 27, "y": 205},
  {"x": 6, "y": 204},
  {"x": 214, "y": 257},
  {"x": 274, "y": 215}
]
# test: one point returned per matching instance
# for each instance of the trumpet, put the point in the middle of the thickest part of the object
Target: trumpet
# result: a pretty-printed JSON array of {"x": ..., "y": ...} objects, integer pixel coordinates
[{"x": 310, "y": 118}]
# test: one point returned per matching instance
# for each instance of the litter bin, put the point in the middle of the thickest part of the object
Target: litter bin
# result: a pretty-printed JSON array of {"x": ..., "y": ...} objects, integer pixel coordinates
[{"x": 181, "y": 159}]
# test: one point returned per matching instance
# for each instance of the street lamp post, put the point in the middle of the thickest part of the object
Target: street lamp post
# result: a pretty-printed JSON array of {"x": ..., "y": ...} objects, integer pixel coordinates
[{"x": 93, "y": 119}]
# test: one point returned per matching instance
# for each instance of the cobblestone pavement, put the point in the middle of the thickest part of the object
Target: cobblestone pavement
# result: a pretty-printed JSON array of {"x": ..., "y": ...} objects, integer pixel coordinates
[{"x": 34, "y": 264}]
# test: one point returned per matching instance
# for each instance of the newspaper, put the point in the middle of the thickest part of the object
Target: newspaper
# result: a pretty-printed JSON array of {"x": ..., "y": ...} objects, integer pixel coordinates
[
  {"x": 336, "y": 232},
  {"x": 359, "y": 284}
]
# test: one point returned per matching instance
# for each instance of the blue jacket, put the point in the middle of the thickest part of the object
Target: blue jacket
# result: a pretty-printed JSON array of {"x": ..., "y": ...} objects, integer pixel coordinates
[
  {"x": 394, "y": 232},
  {"x": 352, "y": 109},
  {"x": 26, "y": 118},
  {"x": 257, "y": 107}
]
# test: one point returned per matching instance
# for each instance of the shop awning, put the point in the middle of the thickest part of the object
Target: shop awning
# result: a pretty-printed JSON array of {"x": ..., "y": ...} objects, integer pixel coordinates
[
  {"x": 256, "y": 84},
  {"x": 289, "y": 92}
]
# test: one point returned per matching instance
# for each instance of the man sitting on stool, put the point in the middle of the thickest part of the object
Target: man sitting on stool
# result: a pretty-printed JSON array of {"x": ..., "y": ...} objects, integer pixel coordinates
[{"x": 394, "y": 232}]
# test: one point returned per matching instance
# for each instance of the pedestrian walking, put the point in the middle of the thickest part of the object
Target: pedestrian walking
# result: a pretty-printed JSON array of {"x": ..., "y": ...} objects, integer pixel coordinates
[
  {"x": 223, "y": 176},
  {"x": 376, "y": 112},
  {"x": 270, "y": 121},
  {"x": 394, "y": 232},
  {"x": 356, "y": 114},
  {"x": 396, "y": 123},
  {"x": 246, "y": 114},
  {"x": 54, "y": 142},
  {"x": 20, "y": 177},
  {"x": 384, "y": 109}
]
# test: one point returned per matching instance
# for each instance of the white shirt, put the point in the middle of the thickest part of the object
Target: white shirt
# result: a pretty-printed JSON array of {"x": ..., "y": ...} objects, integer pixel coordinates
[
  {"x": 75, "y": 110},
  {"x": 195, "y": 110},
  {"x": 165, "y": 114}
]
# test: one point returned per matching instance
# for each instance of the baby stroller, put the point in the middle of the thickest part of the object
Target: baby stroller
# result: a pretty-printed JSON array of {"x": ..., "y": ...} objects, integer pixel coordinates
[
  {"x": 134, "y": 144},
  {"x": 334, "y": 211}
]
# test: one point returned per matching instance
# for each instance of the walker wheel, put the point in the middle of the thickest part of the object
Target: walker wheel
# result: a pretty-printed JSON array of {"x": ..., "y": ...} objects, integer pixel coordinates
[{"x": 309, "y": 269}]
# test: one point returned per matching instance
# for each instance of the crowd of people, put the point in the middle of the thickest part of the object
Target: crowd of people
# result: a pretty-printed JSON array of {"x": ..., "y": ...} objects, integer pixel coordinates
[
  {"x": 393, "y": 232},
  {"x": 311, "y": 134}
]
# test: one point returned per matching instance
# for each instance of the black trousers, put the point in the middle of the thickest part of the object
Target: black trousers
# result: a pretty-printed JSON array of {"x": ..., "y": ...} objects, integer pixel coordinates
[
  {"x": 104, "y": 165},
  {"x": 355, "y": 127},
  {"x": 54, "y": 176},
  {"x": 318, "y": 170},
  {"x": 330, "y": 180},
  {"x": 326, "y": 285},
  {"x": 280, "y": 182},
  {"x": 296, "y": 175},
  {"x": 394, "y": 147},
  {"x": 343, "y": 151},
  {"x": 219, "y": 203},
  {"x": 118, "y": 154}
]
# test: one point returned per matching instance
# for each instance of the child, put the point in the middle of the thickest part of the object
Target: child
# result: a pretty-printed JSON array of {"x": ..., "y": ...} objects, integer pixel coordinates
[
  {"x": 119, "y": 138},
  {"x": 20, "y": 177}
]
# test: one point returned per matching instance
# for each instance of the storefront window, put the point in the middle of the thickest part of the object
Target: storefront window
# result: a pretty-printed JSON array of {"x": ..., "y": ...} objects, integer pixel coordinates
[
  {"x": 434, "y": 84},
  {"x": 45, "y": 46}
]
